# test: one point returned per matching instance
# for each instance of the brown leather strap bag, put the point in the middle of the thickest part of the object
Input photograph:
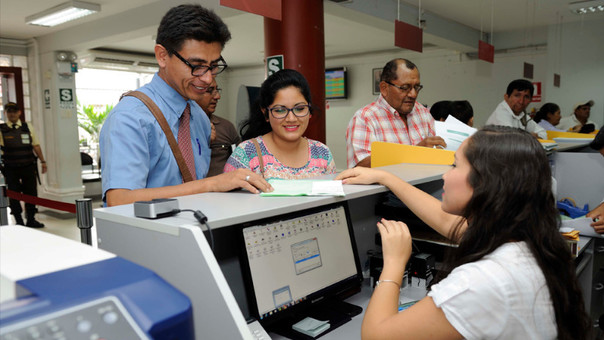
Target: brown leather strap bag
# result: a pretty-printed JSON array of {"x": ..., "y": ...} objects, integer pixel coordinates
[
  {"x": 259, "y": 152},
  {"x": 182, "y": 165}
]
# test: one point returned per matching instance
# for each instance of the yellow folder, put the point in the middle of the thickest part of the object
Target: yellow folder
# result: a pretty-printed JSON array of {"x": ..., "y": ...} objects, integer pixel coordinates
[
  {"x": 383, "y": 154},
  {"x": 556, "y": 134}
]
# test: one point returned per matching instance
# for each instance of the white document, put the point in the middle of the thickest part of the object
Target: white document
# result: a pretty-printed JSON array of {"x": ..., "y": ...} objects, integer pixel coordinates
[
  {"x": 453, "y": 131},
  {"x": 334, "y": 188},
  {"x": 581, "y": 224},
  {"x": 304, "y": 187}
]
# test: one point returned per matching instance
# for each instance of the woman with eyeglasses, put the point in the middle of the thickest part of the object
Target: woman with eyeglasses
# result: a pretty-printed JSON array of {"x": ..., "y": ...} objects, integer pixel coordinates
[{"x": 274, "y": 145}]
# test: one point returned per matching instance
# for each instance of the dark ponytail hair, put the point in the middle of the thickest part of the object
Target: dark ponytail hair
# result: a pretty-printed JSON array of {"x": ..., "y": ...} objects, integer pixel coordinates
[
  {"x": 513, "y": 201},
  {"x": 257, "y": 123},
  {"x": 544, "y": 110}
]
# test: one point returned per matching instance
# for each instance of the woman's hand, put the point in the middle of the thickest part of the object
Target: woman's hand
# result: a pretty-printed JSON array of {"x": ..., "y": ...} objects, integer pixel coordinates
[
  {"x": 361, "y": 175},
  {"x": 396, "y": 243}
]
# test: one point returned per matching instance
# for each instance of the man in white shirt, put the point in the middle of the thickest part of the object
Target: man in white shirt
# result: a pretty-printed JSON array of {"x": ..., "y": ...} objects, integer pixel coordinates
[
  {"x": 578, "y": 119},
  {"x": 510, "y": 112}
]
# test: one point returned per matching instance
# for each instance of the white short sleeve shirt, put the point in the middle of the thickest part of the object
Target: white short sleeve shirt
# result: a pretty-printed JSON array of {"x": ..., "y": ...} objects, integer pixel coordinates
[{"x": 502, "y": 296}]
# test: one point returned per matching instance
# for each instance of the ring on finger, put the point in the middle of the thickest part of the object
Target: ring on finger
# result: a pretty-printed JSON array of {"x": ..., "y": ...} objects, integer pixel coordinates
[{"x": 247, "y": 178}]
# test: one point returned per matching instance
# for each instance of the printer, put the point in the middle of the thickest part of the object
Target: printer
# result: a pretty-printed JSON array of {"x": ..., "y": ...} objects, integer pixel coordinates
[{"x": 56, "y": 288}]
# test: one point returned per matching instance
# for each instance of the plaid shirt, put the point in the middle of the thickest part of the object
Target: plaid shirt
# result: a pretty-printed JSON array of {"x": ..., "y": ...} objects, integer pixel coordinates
[{"x": 380, "y": 122}]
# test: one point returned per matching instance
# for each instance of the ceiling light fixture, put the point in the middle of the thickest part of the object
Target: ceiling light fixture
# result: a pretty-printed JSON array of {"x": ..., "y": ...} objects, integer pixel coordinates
[
  {"x": 63, "y": 13},
  {"x": 587, "y": 7}
]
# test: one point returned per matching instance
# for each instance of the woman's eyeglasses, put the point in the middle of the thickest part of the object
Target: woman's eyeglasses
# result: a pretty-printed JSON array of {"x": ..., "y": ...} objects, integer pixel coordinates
[{"x": 280, "y": 112}]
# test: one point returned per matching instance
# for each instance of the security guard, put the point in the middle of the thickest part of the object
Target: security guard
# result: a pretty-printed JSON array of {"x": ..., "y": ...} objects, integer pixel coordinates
[{"x": 19, "y": 150}]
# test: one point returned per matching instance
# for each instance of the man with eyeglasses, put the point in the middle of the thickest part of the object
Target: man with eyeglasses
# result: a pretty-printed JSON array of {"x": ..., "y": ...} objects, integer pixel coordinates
[
  {"x": 512, "y": 110},
  {"x": 137, "y": 161},
  {"x": 395, "y": 117},
  {"x": 224, "y": 135}
]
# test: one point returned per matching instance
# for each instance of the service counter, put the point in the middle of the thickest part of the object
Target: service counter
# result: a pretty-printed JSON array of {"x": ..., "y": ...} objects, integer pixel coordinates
[
  {"x": 137, "y": 239},
  {"x": 160, "y": 244}
]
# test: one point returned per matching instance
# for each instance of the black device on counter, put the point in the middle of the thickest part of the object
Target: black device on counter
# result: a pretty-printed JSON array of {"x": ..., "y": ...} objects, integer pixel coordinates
[{"x": 421, "y": 266}]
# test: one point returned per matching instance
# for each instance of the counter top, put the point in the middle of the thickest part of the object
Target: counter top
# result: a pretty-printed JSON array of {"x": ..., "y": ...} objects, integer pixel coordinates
[{"x": 228, "y": 208}]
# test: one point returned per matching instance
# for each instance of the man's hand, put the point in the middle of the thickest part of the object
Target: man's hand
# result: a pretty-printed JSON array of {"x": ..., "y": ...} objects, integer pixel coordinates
[
  {"x": 213, "y": 134},
  {"x": 576, "y": 128},
  {"x": 597, "y": 215},
  {"x": 433, "y": 141},
  {"x": 240, "y": 178},
  {"x": 366, "y": 162}
]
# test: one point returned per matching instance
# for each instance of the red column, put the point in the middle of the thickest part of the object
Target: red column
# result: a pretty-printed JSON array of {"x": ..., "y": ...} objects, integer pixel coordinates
[{"x": 300, "y": 38}]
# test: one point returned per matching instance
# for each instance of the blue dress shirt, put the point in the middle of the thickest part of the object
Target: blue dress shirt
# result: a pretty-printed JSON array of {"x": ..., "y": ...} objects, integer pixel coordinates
[{"x": 135, "y": 153}]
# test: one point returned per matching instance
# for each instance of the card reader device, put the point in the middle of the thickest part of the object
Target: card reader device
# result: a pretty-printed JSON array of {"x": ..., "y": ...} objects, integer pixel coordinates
[{"x": 157, "y": 208}]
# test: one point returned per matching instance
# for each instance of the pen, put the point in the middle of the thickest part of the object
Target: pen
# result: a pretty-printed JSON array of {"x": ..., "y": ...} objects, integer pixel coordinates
[{"x": 198, "y": 145}]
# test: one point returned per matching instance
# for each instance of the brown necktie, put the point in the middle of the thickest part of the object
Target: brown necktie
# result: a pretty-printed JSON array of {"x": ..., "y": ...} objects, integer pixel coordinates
[{"x": 184, "y": 141}]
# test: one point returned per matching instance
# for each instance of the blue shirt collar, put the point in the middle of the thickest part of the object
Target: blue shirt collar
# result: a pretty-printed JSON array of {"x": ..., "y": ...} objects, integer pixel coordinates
[{"x": 173, "y": 99}]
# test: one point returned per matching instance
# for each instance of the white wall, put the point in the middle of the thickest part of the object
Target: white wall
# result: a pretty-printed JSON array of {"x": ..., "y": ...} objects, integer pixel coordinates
[
  {"x": 579, "y": 59},
  {"x": 448, "y": 75}
]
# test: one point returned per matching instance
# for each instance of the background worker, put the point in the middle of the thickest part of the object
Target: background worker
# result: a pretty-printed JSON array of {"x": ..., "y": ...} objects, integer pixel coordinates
[
  {"x": 511, "y": 111},
  {"x": 578, "y": 119},
  {"x": 224, "y": 136}
]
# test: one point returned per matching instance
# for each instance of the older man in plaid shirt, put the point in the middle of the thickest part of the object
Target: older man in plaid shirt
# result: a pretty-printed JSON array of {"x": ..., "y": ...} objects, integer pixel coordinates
[{"x": 394, "y": 117}]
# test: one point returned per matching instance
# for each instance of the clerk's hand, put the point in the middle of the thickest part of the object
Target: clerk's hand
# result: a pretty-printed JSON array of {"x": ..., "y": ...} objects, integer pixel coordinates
[
  {"x": 597, "y": 215},
  {"x": 240, "y": 178},
  {"x": 361, "y": 175},
  {"x": 433, "y": 141},
  {"x": 396, "y": 242}
]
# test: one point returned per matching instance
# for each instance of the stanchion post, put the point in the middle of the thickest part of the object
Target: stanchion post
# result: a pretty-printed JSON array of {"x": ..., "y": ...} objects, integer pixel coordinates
[
  {"x": 3, "y": 205},
  {"x": 84, "y": 219}
]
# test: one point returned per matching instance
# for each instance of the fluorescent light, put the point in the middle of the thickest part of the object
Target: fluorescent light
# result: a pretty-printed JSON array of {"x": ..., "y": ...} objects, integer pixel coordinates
[
  {"x": 63, "y": 13},
  {"x": 587, "y": 7}
]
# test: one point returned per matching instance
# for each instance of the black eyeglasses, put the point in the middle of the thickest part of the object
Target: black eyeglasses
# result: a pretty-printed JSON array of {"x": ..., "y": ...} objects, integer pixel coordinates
[
  {"x": 280, "y": 112},
  {"x": 406, "y": 88},
  {"x": 213, "y": 90},
  {"x": 200, "y": 70}
]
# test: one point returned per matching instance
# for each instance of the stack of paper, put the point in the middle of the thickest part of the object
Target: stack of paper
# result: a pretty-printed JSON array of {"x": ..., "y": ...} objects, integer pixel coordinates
[
  {"x": 582, "y": 224},
  {"x": 304, "y": 187},
  {"x": 453, "y": 131},
  {"x": 548, "y": 144}
]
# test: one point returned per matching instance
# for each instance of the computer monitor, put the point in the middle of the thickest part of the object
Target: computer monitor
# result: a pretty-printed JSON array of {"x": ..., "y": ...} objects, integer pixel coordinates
[
  {"x": 301, "y": 264},
  {"x": 336, "y": 83}
]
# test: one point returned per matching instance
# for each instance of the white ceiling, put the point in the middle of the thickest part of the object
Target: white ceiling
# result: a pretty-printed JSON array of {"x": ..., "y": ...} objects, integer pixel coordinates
[{"x": 355, "y": 27}]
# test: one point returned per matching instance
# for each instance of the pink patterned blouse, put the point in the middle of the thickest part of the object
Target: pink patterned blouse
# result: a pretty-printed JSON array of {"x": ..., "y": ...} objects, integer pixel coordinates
[{"x": 320, "y": 161}]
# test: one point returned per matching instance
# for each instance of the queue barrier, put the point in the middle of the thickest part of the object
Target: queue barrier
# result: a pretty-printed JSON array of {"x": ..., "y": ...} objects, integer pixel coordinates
[{"x": 82, "y": 208}]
